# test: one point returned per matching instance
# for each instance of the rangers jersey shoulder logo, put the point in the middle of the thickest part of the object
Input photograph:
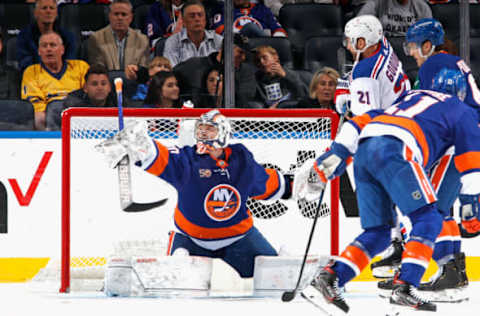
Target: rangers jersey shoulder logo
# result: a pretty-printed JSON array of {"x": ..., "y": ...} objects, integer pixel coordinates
[{"x": 222, "y": 202}]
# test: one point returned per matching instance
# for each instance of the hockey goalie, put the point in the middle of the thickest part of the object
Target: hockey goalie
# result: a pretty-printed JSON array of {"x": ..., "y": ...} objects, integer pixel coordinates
[{"x": 213, "y": 179}]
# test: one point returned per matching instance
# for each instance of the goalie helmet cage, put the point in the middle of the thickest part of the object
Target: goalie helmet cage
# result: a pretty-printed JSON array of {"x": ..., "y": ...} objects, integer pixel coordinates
[{"x": 310, "y": 130}]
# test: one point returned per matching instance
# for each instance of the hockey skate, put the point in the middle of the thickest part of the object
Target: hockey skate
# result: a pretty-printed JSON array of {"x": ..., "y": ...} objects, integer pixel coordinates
[
  {"x": 390, "y": 262},
  {"x": 326, "y": 282},
  {"x": 449, "y": 283},
  {"x": 385, "y": 288},
  {"x": 403, "y": 295}
]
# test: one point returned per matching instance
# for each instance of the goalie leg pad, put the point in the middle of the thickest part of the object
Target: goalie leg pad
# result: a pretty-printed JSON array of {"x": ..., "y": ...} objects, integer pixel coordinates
[
  {"x": 280, "y": 274},
  {"x": 120, "y": 279}
]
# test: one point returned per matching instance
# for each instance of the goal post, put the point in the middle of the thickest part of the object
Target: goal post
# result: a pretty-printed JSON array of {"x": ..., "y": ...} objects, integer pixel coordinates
[{"x": 91, "y": 213}]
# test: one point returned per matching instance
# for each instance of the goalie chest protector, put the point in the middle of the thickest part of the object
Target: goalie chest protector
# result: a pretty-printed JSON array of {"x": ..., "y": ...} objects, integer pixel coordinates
[{"x": 212, "y": 193}]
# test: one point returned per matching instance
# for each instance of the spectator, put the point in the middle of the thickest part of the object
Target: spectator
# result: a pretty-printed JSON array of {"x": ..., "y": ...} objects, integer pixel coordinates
[
  {"x": 51, "y": 79},
  {"x": 164, "y": 19},
  {"x": 212, "y": 96},
  {"x": 322, "y": 90},
  {"x": 96, "y": 92},
  {"x": 163, "y": 91},
  {"x": 396, "y": 16},
  {"x": 193, "y": 40},
  {"x": 191, "y": 73},
  {"x": 275, "y": 84},
  {"x": 45, "y": 14},
  {"x": 117, "y": 44},
  {"x": 159, "y": 63},
  {"x": 252, "y": 20}
]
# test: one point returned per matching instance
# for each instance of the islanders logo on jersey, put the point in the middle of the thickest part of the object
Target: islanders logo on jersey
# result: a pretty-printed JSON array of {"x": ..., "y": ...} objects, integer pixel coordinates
[
  {"x": 222, "y": 202},
  {"x": 240, "y": 22}
]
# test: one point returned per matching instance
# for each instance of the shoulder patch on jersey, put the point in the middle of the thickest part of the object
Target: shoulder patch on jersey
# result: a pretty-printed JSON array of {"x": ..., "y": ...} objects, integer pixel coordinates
[{"x": 222, "y": 202}]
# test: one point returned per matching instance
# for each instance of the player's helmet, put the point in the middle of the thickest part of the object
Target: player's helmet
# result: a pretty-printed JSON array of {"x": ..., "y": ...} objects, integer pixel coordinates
[
  {"x": 426, "y": 29},
  {"x": 214, "y": 118},
  {"x": 450, "y": 81},
  {"x": 367, "y": 27}
]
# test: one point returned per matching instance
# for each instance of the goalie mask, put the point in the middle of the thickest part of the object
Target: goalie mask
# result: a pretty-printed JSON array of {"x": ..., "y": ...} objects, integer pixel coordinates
[
  {"x": 367, "y": 27},
  {"x": 220, "y": 140}
]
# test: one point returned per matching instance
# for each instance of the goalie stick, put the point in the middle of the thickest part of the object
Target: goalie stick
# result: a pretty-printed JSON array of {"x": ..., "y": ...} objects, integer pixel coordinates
[
  {"x": 287, "y": 296},
  {"x": 124, "y": 177}
]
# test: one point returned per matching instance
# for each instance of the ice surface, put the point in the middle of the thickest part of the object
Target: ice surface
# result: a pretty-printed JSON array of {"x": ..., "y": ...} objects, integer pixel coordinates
[{"x": 19, "y": 300}]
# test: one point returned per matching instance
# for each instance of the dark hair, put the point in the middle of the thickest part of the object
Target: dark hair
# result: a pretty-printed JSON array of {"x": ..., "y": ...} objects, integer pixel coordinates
[
  {"x": 96, "y": 69},
  {"x": 154, "y": 93},
  {"x": 190, "y": 3},
  {"x": 448, "y": 46}
]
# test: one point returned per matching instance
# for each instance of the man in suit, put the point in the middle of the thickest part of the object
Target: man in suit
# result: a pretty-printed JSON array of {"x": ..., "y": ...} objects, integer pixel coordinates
[{"x": 118, "y": 45}]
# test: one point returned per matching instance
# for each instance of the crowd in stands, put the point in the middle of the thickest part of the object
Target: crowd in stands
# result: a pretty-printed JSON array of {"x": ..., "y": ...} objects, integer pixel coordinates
[{"x": 287, "y": 53}]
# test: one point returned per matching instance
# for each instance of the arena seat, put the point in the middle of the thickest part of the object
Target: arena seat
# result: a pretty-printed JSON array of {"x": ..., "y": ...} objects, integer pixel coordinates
[
  {"x": 321, "y": 51},
  {"x": 281, "y": 45},
  {"x": 448, "y": 15},
  {"x": 14, "y": 17},
  {"x": 83, "y": 19},
  {"x": 16, "y": 115},
  {"x": 14, "y": 75},
  {"x": 474, "y": 20},
  {"x": 305, "y": 20}
]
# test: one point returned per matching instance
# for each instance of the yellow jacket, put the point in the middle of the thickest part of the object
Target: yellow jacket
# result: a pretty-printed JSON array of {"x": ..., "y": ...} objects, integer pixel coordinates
[{"x": 40, "y": 86}]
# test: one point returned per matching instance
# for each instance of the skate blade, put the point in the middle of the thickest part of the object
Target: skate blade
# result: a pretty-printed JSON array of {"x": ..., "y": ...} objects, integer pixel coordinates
[
  {"x": 314, "y": 297},
  {"x": 384, "y": 272},
  {"x": 446, "y": 296}
]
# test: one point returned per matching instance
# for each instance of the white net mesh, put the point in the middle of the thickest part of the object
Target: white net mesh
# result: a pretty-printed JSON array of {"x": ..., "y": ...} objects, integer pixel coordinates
[{"x": 98, "y": 227}]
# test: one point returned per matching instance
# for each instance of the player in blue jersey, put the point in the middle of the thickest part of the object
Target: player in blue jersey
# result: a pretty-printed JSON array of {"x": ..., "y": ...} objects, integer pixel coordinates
[
  {"x": 450, "y": 74},
  {"x": 403, "y": 141},
  {"x": 213, "y": 179}
]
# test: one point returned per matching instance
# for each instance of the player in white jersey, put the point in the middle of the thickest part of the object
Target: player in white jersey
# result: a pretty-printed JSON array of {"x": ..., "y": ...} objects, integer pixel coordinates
[{"x": 377, "y": 78}]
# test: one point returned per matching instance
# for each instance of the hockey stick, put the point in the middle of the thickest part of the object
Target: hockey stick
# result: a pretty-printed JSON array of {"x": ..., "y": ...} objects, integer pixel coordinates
[
  {"x": 124, "y": 176},
  {"x": 287, "y": 296}
]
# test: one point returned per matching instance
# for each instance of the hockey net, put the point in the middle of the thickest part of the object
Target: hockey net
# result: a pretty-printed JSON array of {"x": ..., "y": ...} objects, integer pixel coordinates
[{"x": 94, "y": 226}]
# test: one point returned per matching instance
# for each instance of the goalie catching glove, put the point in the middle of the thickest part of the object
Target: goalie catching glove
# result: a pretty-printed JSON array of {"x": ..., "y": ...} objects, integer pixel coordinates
[
  {"x": 469, "y": 212},
  {"x": 306, "y": 183},
  {"x": 133, "y": 141}
]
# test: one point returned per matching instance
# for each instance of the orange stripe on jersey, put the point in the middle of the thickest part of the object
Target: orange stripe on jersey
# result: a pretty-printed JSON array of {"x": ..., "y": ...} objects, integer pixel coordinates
[
  {"x": 424, "y": 182},
  {"x": 170, "y": 242},
  {"x": 362, "y": 120},
  {"x": 452, "y": 227},
  {"x": 200, "y": 232},
  {"x": 467, "y": 161},
  {"x": 445, "y": 230},
  {"x": 417, "y": 250},
  {"x": 411, "y": 126},
  {"x": 356, "y": 256},
  {"x": 160, "y": 162},
  {"x": 270, "y": 186},
  {"x": 439, "y": 171},
  {"x": 408, "y": 153}
]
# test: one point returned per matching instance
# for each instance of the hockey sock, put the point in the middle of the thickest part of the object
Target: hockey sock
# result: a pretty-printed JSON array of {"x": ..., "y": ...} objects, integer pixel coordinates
[
  {"x": 426, "y": 225},
  {"x": 443, "y": 251},
  {"x": 358, "y": 254}
]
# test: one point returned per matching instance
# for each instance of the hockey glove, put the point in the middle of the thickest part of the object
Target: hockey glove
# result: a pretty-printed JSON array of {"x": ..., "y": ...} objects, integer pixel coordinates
[
  {"x": 342, "y": 97},
  {"x": 135, "y": 141},
  {"x": 332, "y": 163},
  {"x": 469, "y": 212},
  {"x": 306, "y": 183}
]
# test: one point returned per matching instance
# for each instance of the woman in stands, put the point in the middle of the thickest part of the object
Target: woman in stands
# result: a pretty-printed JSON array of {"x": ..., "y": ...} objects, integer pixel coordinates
[
  {"x": 163, "y": 91},
  {"x": 322, "y": 90}
]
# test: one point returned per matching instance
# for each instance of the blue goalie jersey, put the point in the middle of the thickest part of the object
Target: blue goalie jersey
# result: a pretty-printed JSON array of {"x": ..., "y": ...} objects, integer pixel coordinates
[{"x": 212, "y": 193}]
